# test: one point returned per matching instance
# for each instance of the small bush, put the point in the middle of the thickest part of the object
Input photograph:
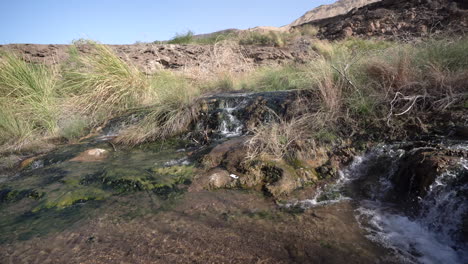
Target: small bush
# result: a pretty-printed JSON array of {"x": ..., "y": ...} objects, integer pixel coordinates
[
  {"x": 308, "y": 30},
  {"x": 74, "y": 127},
  {"x": 182, "y": 38},
  {"x": 262, "y": 39}
]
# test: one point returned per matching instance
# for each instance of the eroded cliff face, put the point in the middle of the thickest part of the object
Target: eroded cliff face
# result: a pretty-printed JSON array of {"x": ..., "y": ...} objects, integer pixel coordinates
[{"x": 340, "y": 7}]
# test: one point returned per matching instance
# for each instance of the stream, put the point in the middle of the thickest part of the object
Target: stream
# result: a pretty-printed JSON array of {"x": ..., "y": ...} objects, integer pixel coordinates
[
  {"x": 426, "y": 232},
  {"x": 141, "y": 204}
]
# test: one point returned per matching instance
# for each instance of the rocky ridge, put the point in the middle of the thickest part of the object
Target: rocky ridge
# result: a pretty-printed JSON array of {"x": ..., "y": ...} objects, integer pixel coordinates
[
  {"x": 398, "y": 20},
  {"x": 151, "y": 57},
  {"x": 326, "y": 11}
]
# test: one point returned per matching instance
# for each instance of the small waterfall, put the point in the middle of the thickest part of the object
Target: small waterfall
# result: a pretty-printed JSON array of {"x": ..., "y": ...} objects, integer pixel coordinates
[
  {"x": 229, "y": 124},
  {"x": 431, "y": 235},
  {"x": 428, "y": 235}
]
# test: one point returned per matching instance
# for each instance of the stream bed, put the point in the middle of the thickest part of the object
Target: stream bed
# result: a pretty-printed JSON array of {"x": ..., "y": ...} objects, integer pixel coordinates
[{"x": 94, "y": 202}]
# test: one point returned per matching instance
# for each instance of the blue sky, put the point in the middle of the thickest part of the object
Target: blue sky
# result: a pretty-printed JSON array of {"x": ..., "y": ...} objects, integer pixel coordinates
[{"x": 125, "y": 22}]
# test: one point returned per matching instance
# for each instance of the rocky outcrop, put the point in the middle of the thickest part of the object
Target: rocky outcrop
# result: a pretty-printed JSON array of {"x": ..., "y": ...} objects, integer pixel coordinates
[
  {"x": 326, "y": 11},
  {"x": 227, "y": 167},
  {"x": 397, "y": 19}
]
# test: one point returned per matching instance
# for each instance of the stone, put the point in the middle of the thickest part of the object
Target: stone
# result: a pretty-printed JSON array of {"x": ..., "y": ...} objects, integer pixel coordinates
[
  {"x": 219, "y": 154},
  {"x": 92, "y": 155},
  {"x": 347, "y": 32},
  {"x": 219, "y": 178}
]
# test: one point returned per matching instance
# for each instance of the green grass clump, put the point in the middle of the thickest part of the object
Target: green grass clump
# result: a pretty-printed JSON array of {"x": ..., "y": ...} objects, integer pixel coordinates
[
  {"x": 449, "y": 55},
  {"x": 365, "y": 45},
  {"x": 102, "y": 85},
  {"x": 182, "y": 38},
  {"x": 287, "y": 77},
  {"x": 28, "y": 99},
  {"x": 262, "y": 39}
]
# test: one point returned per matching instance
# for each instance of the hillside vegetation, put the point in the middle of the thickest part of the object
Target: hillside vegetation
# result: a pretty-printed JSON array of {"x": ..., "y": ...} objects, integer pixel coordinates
[{"x": 355, "y": 84}]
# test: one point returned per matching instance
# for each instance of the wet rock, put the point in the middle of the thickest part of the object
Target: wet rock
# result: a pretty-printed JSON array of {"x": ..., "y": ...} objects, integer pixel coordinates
[
  {"x": 419, "y": 168},
  {"x": 230, "y": 152},
  {"x": 233, "y": 114},
  {"x": 219, "y": 178},
  {"x": 92, "y": 155},
  {"x": 275, "y": 178},
  {"x": 461, "y": 132}
]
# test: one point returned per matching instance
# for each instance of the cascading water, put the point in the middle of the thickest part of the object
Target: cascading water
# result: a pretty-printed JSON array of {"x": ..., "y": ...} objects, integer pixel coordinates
[
  {"x": 230, "y": 125},
  {"x": 429, "y": 234}
]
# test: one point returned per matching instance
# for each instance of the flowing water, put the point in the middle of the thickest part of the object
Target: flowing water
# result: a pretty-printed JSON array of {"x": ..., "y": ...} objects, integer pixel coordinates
[
  {"x": 138, "y": 199},
  {"x": 427, "y": 233}
]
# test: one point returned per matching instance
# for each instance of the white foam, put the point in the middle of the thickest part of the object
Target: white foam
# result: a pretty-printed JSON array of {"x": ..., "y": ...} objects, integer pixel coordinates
[{"x": 409, "y": 239}]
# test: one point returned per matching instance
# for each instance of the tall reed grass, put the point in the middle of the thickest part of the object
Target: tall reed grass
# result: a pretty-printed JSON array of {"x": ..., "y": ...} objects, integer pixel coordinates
[{"x": 350, "y": 81}]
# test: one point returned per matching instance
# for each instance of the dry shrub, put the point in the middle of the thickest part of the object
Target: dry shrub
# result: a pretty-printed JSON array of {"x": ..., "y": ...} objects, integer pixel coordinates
[
  {"x": 393, "y": 77},
  {"x": 226, "y": 60},
  {"x": 329, "y": 88},
  {"x": 162, "y": 122},
  {"x": 323, "y": 47},
  {"x": 278, "y": 138},
  {"x": 447, "y": 88}
]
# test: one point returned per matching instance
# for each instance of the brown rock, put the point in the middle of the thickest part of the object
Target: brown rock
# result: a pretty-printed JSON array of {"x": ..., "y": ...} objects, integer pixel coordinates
[
  {"x": 25, "y": 163},
  {"x": 234, "y": 148},
  {"x": 370, "y": 27},
  {"x": 347, "y": 32},
  {"x": 219, "y": 178}
]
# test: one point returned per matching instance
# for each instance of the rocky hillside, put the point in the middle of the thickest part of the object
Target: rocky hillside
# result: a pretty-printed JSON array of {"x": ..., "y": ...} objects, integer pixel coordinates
[
  {"x": 326, "y": 11},
  {"x": 151, "y": 57},
  {"x": 398, "y": 19}
]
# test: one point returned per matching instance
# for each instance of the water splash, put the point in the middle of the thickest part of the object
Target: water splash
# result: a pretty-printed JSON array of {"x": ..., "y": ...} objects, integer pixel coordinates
[
  {"x": 432, "y": 235},
  {"x": 230, "y": 125},
  {"x": 411, "y": 241}
]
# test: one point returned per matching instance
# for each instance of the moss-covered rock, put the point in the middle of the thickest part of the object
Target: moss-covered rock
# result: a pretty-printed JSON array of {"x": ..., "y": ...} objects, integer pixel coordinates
[{"x": 13, "y": 195}]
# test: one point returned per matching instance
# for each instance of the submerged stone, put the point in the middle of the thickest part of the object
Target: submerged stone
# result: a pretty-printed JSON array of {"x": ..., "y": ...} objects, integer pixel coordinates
[{"x": 92, "y": 155}]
